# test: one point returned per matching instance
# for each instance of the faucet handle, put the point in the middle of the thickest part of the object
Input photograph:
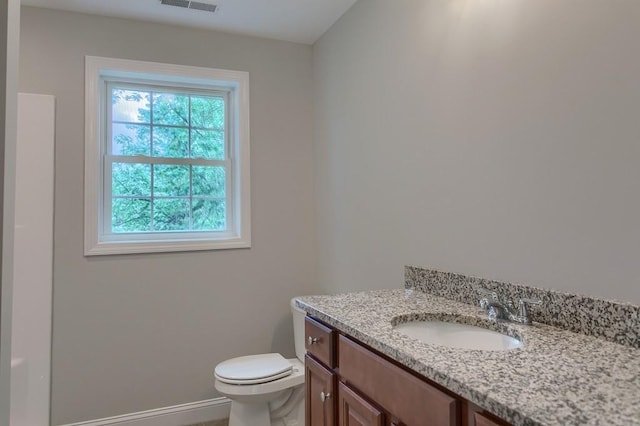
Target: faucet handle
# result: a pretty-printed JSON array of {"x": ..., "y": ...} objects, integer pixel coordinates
[
  {"x": 522, "y": 307},
  {"x": 486, "y": 297}
]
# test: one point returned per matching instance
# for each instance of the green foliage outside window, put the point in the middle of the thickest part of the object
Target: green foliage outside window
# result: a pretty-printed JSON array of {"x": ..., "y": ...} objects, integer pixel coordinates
[{"x": 180, "y": 129}]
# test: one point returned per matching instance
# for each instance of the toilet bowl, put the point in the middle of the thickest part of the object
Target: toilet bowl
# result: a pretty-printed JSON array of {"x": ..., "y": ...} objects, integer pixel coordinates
[{"x": 266, "y": 389}]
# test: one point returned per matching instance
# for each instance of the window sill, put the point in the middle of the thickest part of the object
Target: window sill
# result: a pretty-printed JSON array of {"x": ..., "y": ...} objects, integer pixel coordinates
[{"x": 135, "y": 247}]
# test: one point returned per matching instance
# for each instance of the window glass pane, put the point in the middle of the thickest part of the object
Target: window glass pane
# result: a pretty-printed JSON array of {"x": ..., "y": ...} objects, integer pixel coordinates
[
  {"x": 171, "y": 214},
  {"x": 207, "y": 112},
  {"x": 130, "y": 105},
  {"x": 172, "y": 109},
  {"x": 131, "y": 215},
  {"x": 208, "y": 144},
  {"x": 131, "y": 179},
  {"x": 209, "y": 181},
  {"x": 170, "y": 142},
  {"x": 209, "y": 215},
  {"x": 167, "y": 197},
  {"x": 130, "y": 139},
  {"x": 170, "y": 181}
]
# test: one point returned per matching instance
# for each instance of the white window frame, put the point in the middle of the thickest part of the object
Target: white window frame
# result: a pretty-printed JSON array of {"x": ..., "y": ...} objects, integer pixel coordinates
[{"x": 99, "y": 72}]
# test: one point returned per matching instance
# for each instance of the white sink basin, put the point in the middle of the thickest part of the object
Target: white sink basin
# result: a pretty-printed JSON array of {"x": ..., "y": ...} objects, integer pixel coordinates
[{"x": 455, "y": 335}]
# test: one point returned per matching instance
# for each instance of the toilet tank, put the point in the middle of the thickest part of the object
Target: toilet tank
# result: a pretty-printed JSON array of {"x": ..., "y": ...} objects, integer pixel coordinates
[{"x": 298, "y": 330}]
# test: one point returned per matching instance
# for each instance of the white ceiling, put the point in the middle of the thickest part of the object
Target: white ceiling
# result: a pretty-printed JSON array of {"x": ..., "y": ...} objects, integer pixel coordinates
[{"x": 300, "y": 21}]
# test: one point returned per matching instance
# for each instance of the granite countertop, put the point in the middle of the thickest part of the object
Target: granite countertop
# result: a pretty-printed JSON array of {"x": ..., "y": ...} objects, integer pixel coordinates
[{"x": 557, "y": 378}]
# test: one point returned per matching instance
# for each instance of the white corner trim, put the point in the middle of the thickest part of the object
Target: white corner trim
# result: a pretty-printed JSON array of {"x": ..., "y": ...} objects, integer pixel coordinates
[{"x": 184, "y": 414}]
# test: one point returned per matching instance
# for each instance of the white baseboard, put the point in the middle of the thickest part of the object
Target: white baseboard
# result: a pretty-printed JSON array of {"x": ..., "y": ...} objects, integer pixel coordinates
[{"x": 178, "y": 415}]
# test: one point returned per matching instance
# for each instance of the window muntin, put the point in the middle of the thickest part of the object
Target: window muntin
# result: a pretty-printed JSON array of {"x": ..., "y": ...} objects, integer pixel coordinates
[{"x": 167, "y": 160}]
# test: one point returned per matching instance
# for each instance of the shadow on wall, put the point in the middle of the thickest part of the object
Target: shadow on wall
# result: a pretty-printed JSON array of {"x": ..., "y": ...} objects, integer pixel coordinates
[{"x": 282, "y": 341}]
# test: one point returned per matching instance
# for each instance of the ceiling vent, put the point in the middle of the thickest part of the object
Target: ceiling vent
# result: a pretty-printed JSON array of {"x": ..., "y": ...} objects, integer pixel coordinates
[{"x": 196, "y": 5}]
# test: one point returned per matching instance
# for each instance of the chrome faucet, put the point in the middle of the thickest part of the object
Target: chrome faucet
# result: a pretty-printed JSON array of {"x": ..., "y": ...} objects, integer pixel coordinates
[{"x": 506, "y": 311}]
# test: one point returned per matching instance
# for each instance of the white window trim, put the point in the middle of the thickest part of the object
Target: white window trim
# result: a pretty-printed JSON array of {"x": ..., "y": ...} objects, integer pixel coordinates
[{"x": 96, "y": 70}]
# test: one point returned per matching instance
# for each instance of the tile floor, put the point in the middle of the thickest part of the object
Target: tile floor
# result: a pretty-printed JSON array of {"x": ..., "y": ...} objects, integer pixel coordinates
[{"x": 214, "y": 423}]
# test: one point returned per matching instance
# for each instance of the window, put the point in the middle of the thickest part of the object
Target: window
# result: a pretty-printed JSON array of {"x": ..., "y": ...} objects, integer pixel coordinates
[{"x": 166, "y": 158}]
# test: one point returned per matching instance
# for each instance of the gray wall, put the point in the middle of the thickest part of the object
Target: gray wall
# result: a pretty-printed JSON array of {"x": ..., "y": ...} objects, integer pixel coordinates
[
  {"x": 139, "y": 332},
  {"x": 486, "y": 137}
]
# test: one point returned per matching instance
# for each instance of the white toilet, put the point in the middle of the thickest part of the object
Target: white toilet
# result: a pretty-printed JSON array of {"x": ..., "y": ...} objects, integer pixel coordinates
[{"x": 266, "y": 389}]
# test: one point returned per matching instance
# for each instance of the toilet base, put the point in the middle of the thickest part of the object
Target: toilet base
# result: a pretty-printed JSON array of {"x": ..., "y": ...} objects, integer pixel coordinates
[
  {"x": 288, "y": 410},
  {"x": 245, "y": 414}
]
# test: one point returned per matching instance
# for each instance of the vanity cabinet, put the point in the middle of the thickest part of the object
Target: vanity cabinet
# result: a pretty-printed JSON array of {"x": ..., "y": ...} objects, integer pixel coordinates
[{"x": 349, "y": 384}]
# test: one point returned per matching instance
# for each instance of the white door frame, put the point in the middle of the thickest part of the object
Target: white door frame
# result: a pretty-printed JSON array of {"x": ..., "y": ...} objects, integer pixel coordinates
[{"x": 10, "y": 28}]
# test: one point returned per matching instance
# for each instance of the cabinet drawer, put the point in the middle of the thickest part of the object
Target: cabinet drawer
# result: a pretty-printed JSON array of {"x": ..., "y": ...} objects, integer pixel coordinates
[
  {"x": 320, "y": 341},
  {"x": 413, "y": 401}
]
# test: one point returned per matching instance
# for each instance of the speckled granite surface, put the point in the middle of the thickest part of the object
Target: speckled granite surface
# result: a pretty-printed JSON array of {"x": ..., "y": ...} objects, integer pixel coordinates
[
  {"x": 557, "y": 378},
  {"x": 615, "y": 321}
]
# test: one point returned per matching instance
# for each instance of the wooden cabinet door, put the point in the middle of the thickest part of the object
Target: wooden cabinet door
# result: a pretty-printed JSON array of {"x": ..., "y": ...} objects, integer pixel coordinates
[
  {"x": 353, "y": 410},
  {"x": 477, "y": 416},
  {"x": 480, "y": 420},
  {"x": 321, "y": 386}
]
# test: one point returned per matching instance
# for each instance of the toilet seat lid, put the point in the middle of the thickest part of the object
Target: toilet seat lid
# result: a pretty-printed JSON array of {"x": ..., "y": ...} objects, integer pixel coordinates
[{"x": 253, "y": 369}]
